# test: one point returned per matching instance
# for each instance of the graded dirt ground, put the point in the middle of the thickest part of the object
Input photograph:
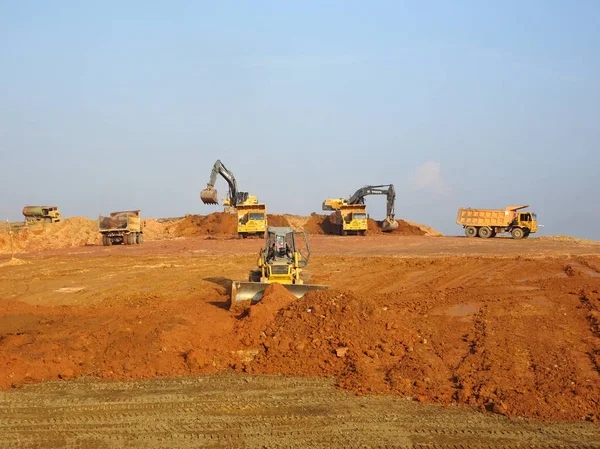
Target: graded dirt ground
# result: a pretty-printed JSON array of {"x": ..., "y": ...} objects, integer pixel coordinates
[
  {"x": 499, "y": 327},
  {"x": 255, "y": 412}
]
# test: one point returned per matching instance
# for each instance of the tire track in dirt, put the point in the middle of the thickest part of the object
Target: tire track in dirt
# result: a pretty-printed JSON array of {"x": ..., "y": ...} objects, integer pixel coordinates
[{"x": 253, "y": 412}]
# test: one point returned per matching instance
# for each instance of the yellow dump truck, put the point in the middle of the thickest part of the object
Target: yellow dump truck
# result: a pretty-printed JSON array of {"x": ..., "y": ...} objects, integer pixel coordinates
[
  {"x": 486, "y": 223},
  {"x": 124, "y": 227},
  {"x": 47, "y": 214},
  {"x": 252, "y": 220},
  {"x": 350, "y": 219}
]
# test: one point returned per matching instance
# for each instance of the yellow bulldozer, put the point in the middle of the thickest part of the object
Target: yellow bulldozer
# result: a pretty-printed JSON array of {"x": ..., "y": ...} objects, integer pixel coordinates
[{"x": 280, "y": 261}]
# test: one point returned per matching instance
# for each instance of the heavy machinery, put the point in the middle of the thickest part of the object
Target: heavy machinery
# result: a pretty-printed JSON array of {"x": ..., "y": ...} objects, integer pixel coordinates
[
  {"x": 486, "y": 223},
  {"x": 252, "y": 217},
  {"x": 123, "y": 227},
  {"x": 47, "y": 214},
  {"x": 280, "y": 261},
  {"x": 252, "y": 220},
  {"x": 350, "y": 215},
  {"x": 235, "y": 198}
]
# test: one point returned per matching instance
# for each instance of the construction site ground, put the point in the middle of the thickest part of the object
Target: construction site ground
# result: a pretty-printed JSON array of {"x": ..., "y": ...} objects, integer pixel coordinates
[{"x": 419, "y": 341}]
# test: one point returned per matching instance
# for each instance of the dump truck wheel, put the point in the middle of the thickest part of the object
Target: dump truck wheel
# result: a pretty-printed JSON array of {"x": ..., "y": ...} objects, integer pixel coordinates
[
  {"x": 485, "y": 232},
  {"x": 108, "y": 241},
  {"x": 517, "y": 233},
  {"x": 526, "y": 234},
  {"x": 493, "y": 234},
  {"x": 471, "y": 231},
  {"x": 104, "y": 240},
  {"x": 132, "y": 238},
  {"x": 125, "y": 239},
  {"x": 344, "y": 233},
  {"x": 363, "y": 233},
  {"x": 140, "y": 238}
]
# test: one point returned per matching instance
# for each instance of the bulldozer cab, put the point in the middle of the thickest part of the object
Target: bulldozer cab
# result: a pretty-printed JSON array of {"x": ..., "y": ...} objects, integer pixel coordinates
[{"x": 281, "y": 246}]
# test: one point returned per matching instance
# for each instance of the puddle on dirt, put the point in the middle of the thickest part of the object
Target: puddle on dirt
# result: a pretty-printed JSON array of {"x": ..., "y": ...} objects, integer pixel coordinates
[
  {"x": 540, "y": 301},
  {"x": 458, "y": 310},
  {"x": 69, "y": 289}
]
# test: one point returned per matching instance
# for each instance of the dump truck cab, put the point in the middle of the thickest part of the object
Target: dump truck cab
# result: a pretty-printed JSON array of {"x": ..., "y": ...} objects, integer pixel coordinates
[
  {"x": 527, "y": 220},
  {"x": 350, "y": 219},
  {"x": 252, "y": 220}
]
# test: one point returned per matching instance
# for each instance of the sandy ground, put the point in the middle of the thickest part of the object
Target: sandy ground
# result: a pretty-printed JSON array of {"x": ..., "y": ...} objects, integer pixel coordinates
[
  {"x": 254, "y": 412},
  {"x": 500, "y": 327}
]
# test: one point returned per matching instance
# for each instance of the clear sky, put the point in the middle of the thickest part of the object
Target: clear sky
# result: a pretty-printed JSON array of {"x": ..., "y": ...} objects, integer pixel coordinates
[{"x": 126, "y": 105}]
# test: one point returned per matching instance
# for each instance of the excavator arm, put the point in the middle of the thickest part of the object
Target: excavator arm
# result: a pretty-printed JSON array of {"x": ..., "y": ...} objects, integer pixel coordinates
[{"x": 209, "y": 195}]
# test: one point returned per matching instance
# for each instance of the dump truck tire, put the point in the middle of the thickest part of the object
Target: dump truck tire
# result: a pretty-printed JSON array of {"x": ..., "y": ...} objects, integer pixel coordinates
[
  {"x": 517, "y": 233},
  {"x": 132, "y": 238},
  {"x": 485, "y": 232},
  {"x": 140, "y": 238},
  {"x": 471, "y": 231}
]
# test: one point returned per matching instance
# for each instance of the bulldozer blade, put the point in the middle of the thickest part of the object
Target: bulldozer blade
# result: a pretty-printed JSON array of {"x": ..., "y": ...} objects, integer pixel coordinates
[
  {"x": 388, "y": 225},
  {"x": 209, "y": 196},
  {"x": 253, "y": 291}
]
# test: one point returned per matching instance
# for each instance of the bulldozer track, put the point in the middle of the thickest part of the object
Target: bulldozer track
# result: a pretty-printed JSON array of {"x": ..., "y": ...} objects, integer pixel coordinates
[{"x": 255, "y": 412}]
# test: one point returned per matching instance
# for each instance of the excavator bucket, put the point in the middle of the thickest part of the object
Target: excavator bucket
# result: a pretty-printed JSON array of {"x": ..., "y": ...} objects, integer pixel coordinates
[
  {"x": 253, "y": 291},
  {"x": 209, "y": 195},
  {"x": 389, "y": 224}
]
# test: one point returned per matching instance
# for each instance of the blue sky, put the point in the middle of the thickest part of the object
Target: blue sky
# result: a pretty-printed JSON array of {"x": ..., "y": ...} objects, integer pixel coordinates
[{"x": 122, "y": 105}]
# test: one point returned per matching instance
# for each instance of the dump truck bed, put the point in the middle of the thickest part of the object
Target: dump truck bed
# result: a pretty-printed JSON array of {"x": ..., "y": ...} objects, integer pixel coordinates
[
  {"x": 487, "y": 217},
  {"x": 120, "y": 221}
]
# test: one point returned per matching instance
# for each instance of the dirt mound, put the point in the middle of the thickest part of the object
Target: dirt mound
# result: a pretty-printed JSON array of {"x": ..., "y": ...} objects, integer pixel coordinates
[
  {"x": 355, "y": 339},
  {"x": 71, "y": 232},
  {"x": 318, "y": 224},
  {"x": 218, "y": 223},
  {"x": 155, "y": 230},
  {"x": 258, "y": 316},
  {"x": 277, "y": 220},
  {"x": 321, "y": 224}
]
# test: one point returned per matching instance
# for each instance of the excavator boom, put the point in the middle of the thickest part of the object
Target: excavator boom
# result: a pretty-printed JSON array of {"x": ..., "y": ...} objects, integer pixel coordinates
[{"x": 209, "y": 195}]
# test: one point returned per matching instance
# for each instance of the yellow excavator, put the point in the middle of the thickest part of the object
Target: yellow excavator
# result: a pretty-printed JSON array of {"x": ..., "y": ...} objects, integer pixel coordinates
[
  {"x": 350, "y": 215},
  {"x": 280, "y": 261},
  {"x": 235, "y": 197},
  {"x": 251, "y": 216}
]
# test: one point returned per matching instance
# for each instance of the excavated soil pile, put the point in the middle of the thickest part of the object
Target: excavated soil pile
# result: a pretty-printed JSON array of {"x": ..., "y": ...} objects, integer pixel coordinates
[
  {"x": 144, "y": 341},
  {"x": 508, "y": 364},
  {"x": 277, "y": 220},
  {"x": 68, "y": 233},
  {"x": 255, "y": 319},
  {"x": 318, "y": 224},
  {"x": 218, "y": 223},
  {"x": 71, "y": 232},
  {"x": 321, "y": 224}
]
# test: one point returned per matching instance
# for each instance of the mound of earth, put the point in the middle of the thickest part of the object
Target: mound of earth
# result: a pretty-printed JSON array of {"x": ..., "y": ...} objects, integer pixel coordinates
[
  {"x": 321, "y": 224},
  {"x": 218, "y": 223},
  {"x": 351, "y": 337},
  {"x": 71, "y": 232}
]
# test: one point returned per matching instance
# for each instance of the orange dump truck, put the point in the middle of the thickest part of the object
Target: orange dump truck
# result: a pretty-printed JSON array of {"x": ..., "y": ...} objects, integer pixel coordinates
[{"x": 486, "y": 223}]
